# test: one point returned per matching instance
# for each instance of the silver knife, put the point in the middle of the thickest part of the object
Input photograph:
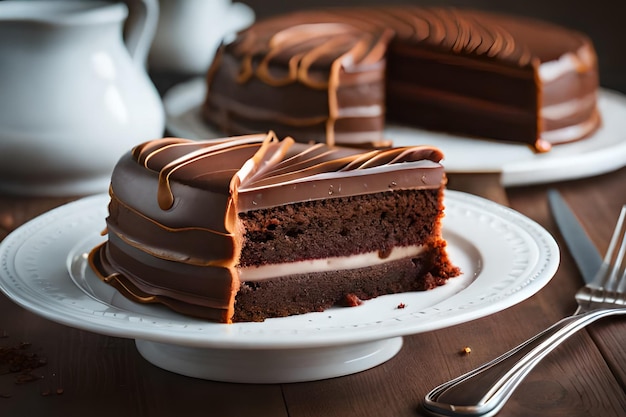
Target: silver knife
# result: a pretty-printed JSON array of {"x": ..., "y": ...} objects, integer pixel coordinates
[{"x": 583, "y": 250}]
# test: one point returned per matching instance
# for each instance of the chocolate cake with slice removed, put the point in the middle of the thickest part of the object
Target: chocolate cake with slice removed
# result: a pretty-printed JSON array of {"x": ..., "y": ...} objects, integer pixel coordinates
[
  {"x": 252, "y": 227},
  {"x": 340, "y": 75}
]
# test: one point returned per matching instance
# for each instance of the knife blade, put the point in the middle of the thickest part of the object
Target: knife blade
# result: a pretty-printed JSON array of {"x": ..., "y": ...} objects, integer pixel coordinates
[{"x": 584, "y": 252}]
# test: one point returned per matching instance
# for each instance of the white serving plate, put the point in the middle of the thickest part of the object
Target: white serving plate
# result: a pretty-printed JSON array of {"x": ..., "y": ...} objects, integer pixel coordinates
[{"x": 505, "y": 258}]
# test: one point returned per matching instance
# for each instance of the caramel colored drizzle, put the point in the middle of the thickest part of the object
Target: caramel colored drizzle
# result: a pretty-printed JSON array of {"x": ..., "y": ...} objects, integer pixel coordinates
[
  {"x": 199, "y": 150},
  {"x": 359, "y": 37},
  {"x": 171, "y": 256},
  {"x": 335, "y": 161},
  {"x": 269, "y": 166}
]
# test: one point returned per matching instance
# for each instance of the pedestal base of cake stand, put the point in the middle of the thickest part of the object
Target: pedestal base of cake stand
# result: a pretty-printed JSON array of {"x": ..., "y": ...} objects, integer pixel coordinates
[{"x": 269, "y": 366}]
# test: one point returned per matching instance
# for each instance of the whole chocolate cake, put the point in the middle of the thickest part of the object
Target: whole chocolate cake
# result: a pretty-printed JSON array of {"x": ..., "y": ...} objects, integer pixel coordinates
[
  {"x": 246, "y": 228},
  {"x": 338, "y": 75}
]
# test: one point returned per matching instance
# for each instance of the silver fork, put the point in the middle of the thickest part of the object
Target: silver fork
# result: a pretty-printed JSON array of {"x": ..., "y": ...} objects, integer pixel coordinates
[{"x": 485, "y": 390}]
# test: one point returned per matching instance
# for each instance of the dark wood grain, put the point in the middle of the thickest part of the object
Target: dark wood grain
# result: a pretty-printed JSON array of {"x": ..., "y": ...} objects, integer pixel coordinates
[
  {"x": 103, "y": 376},
  {"x": 483, "y": 184}
]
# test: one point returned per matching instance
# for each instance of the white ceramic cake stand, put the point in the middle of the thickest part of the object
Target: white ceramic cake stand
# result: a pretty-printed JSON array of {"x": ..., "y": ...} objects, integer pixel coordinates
[{"x": 505, "y": 258}]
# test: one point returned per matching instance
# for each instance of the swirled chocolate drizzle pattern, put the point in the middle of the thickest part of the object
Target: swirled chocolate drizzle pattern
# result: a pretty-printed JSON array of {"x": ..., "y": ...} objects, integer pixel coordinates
[
  {"x": 336, "y": 74},
  {"x": 175, "y": 203},
  {"x": 284, "y": 172},
  {"x": 356, "y": 38}
]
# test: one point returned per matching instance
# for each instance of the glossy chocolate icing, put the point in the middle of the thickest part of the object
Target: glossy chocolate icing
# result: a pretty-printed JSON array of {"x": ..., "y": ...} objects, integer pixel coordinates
[
  {"x": 173, "y": 225},
  {"x": 335, "y": 75}
]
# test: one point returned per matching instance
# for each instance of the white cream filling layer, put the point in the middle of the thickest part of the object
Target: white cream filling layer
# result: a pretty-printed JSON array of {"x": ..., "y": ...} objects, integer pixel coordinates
[
  {"x": 551, "y": 70},
  {"x": 362, "y": 111},
  {"x": 583, "y": 58},
  {"x": 566, "y": 134},
  {"x": 337, "y": 263},
  {"x": 568, "y": 108}
]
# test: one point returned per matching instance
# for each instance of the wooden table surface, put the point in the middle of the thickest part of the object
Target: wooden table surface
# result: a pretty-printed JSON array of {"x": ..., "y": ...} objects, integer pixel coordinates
[{"x": 95, "y": 375}]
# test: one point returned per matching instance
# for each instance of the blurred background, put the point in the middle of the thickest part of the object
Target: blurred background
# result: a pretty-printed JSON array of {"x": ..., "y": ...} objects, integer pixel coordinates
[
  {"x": 602, "y": 20},
  {"x": 178, "y": 40}
]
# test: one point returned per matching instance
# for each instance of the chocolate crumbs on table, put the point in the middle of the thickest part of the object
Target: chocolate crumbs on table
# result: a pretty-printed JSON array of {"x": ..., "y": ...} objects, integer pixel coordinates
[
  {"x": 21, "y": 361},
  {"x": 466, "y": 350}
]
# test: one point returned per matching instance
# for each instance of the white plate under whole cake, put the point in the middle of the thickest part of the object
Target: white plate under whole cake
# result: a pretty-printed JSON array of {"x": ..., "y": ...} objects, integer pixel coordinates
[
  {"x": 505, "y": 258},
  {"x": 603, "y": 152}
]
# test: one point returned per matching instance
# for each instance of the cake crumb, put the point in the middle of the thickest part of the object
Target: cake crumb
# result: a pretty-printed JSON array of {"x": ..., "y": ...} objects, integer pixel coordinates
[
  {"x": 20, "y": 361},
  {"x": 351, "y": 300},
  {"x": 26, "y": 377},
  {"x": 401, "y": 306},
  {"x": 466, "y": 350}
]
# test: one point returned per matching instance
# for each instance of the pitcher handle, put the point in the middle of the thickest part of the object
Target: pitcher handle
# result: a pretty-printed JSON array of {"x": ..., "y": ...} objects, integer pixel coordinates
[{"x": 140, "y": 28}]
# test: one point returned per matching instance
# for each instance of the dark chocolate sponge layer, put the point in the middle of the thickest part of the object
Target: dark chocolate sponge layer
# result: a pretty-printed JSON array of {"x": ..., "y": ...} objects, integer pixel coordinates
[
  {"x": 340, "y": 227},
  {"x": 315, "y": 292}
]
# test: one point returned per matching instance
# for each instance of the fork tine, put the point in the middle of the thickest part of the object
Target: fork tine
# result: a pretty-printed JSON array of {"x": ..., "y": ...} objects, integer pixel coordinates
[
  {"x": 615, "y": 255},
  {"x": 621, "y": 271},
  {"x": 610, "y": 281},
  {"x": 604, "y": 274},
  {"x": 621, "y": 287}
]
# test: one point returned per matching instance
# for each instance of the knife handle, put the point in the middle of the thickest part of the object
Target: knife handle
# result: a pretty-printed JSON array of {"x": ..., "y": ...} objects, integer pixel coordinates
[{"x": 484, "y": 390}]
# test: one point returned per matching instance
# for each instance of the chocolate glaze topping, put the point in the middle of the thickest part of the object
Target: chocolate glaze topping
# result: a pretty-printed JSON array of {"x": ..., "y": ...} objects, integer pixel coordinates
[
  {"x": 358, "y": 37},
  {"x": 261, "y": 171}
]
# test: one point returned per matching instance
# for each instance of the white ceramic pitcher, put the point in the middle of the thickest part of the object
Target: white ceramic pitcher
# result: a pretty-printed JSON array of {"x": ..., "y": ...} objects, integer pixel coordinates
[{"x": 73, "y": 98}]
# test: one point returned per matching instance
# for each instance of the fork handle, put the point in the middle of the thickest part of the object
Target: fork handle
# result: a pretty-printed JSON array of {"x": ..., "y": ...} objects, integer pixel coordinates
[{"x": 485, "y": 390}]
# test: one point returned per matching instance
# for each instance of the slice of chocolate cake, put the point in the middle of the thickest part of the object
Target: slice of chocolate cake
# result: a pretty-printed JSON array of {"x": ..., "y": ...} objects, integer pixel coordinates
[{"x": 248, "y": 228}]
